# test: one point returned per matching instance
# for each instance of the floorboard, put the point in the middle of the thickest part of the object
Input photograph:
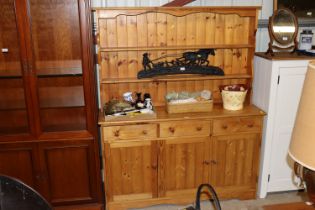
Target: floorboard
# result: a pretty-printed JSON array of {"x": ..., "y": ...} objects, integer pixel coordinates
[
  {"x": 81, "y": 207},
  {"x": 289, "y": 206}
]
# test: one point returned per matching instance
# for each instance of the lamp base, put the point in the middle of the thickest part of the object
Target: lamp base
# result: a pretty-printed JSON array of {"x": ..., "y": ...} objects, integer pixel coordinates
[{"x": 308, "y": 176}]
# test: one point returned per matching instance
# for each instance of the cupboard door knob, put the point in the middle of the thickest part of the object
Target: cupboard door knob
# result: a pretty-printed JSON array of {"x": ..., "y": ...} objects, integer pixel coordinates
[
  {"x": 37, "y": 177},
  {"x": 154, "y": 167},
  {"x": 145, "y": 132},
  {"x": 171, "y": 129},
  {"x": 224, "y": 126},
  {"x": 250, "y": 125},
  {"x": 199, "y": 128},
  {"x": 116, "y": 133},
  {"x": 214, "y": 162},
  {"x": 206, "y": 162}
]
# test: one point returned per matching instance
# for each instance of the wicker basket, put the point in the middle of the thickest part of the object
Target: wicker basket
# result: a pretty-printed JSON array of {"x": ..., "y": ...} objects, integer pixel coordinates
[{"x": 233, "y": 99}]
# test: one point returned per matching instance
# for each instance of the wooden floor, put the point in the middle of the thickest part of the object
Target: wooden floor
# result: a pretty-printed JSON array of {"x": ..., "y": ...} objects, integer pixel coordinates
[
  {"x": 291, "y": 206},
  {"x": 81, "y": 207}
]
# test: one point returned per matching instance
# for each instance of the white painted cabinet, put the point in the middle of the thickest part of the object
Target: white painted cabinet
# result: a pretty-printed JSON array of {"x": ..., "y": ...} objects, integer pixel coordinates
[{"x": 277, "y": 89}]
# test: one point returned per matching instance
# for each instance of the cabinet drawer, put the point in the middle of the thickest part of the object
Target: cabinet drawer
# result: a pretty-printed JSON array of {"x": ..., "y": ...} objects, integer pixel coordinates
[
  {"x": 233, "y": 125},
  {"x": 130, "y": 132},
  {"x": 186, "y": 128}
]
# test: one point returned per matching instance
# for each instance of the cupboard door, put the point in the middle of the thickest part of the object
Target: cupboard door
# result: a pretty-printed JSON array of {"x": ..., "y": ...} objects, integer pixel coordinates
[
  {"x": 235, "y": 160},
  {"x": 131, "y": 170},
  {"x": 59, "y": 63},
  {"x": 183, "y": 165},
  {"x": 18, "y": 161},
  {"x": 69, "y": 169},
  {"x": 13, "y": 112}
]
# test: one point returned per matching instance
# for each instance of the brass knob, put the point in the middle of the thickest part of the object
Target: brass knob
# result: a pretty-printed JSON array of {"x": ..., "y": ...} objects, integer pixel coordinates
[
  {"x": 171, "y": 129},
  {"x": 199, "y": 128},
  {"x": 206, "y": 162},
  {"x": 214, "y": 162},
  {"x": 116, "y": 133},
  {"x": 224, "y": 126},
  {"x": 145, "y": 132},
  {"x": 250, "y": 125}
]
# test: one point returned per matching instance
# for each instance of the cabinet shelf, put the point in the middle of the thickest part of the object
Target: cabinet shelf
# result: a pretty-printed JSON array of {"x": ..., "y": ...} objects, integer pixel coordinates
[
  {"x": 174, "y": 78},
  {"x": 61, "y": 107},
  {"x": 59, "y": 75},
  {"x": 192, "y": 47},
  {"x": 11, "y": 77}
]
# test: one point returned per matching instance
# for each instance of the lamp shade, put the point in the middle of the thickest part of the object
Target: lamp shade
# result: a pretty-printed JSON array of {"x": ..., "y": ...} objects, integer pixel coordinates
[{"x": 302, "y": 147}]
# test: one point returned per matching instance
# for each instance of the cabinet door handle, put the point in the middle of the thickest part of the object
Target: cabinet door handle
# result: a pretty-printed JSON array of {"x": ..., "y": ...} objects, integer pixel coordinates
[
  {"x": 154, "y": 167},
  {"x": 206, "y": 162},
  {"x": 199, "y": 128},
  {"x": 250, "y": 125},
  {"x": 30, "y": 67},
  {"x": 24, "y": 65},
  {"x": 171, "y": 129},
  {"x": 214, "y": 162},
  {"x": 145, "y": 132},
  {"x": 224, "y": 126},
  {"x": 116, "y": 133}
]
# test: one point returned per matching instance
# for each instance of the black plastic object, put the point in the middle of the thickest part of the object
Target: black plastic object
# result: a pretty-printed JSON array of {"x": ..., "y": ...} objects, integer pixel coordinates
[
  {"x": 16, "y": 195},
  {"x": 194, "y": 62},
  {"x": 213, "y": 195}
]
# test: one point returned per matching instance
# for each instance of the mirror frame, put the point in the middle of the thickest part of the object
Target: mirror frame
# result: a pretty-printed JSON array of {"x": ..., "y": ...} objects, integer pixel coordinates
[{"x": 292, "y": 46}]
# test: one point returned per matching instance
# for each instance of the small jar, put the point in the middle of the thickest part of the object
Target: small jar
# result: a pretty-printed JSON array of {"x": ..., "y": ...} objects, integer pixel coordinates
[
  {"x": 148, "y": 103},
  {"x": 305, "y": 42}
]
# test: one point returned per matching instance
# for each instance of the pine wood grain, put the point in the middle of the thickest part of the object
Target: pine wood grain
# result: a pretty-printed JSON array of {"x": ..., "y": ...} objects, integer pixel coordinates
[{"x": 181, "y": 151}]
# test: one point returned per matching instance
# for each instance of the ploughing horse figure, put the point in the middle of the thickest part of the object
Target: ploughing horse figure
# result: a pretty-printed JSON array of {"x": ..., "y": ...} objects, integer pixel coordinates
[
  {"x": 195, "y": 58},
  {"x": 191, "y": 62},
  {"x": 203, "y": 56},
  {"x": 146, "y": 62}
]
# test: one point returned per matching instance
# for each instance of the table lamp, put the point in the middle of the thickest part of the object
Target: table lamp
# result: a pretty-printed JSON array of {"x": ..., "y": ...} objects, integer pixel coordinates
[{"x": 302, "y": 147}]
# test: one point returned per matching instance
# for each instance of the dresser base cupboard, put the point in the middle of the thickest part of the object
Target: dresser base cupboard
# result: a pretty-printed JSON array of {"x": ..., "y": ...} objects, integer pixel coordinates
[{"x": 170, "y": 157}]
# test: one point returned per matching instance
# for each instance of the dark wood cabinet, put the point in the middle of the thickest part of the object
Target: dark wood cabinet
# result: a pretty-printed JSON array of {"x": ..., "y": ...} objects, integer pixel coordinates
[
  {"x": 48, "y": 120},
  {"x": 69, "y": 171},
  {"x": 19, "y": 160}
]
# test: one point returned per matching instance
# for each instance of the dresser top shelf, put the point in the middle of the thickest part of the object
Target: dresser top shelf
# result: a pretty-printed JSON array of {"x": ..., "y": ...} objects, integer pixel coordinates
[{"x": 162, "y": 115}]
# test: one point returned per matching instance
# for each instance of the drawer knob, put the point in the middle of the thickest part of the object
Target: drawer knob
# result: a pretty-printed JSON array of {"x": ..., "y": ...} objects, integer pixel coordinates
[
  {"x": 144, "y": 132},
  {"x": 250, "y": 125},
  {"x": 199, "y": 128},
  {"x": 171, "y": 129},
  {"x": 224, "y": 126},
  {"x": 116, "y": 133}
]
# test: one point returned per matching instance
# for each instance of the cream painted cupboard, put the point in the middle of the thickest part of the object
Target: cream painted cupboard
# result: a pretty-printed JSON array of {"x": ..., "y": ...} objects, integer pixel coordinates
[{"x": 277, "y": 87}]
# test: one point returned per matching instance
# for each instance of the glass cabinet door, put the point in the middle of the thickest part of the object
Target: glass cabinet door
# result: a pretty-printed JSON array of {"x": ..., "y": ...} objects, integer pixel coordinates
[
  {"x": 57, "y": 50},
  {"x": 13, "y": 112}
]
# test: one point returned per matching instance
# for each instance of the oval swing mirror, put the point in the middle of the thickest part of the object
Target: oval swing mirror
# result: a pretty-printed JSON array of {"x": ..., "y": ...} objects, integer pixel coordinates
[{"x": 283, "y": 29}]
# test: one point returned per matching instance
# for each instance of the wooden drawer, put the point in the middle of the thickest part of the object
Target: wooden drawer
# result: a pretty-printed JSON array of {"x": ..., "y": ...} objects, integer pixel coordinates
[
  {"x": 185, "y": 128},
  {"x": 236, "y": 124},
  {"x": 130, "y": 132}
]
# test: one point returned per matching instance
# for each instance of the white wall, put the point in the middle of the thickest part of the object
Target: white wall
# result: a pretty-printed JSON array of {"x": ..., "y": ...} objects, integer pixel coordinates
[{"x": 262, "y": 37}]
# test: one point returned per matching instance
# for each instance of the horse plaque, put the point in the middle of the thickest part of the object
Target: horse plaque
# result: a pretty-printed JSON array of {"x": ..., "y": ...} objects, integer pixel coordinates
[{"x": 194, "y": 62}]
